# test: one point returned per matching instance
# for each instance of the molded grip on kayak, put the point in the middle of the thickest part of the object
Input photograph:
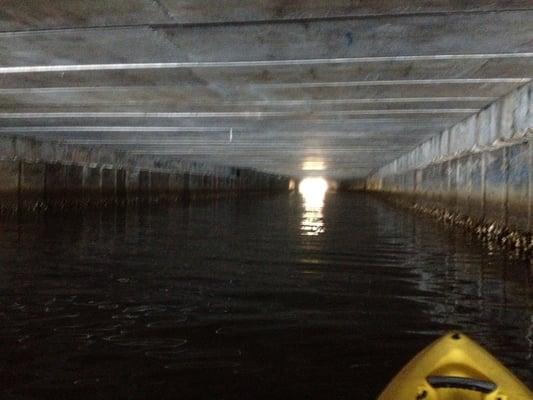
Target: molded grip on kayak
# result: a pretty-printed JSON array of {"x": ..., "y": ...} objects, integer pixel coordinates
[
  {"x": 456, "y": 382},
  {"x": 455, "y": 367}
]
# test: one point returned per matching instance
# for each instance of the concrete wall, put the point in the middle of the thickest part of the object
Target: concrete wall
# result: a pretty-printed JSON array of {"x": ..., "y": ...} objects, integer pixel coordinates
[
  {"x": 35, "y": 174},
  {"x": 481, "y": 167},
  {"x": 358, "y": 184}
]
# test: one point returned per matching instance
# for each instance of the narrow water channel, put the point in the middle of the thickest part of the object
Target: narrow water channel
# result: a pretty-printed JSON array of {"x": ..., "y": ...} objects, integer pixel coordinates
[{"x": 250, "y": 298}]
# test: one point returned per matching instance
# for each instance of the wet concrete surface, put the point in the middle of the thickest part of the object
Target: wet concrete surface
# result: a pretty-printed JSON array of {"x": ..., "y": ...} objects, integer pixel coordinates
[{"x": 267, "y": 297}]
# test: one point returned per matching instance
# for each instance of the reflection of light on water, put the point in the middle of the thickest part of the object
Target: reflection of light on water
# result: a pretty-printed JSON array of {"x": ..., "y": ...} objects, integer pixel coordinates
[{"x": 313, "y": 191}]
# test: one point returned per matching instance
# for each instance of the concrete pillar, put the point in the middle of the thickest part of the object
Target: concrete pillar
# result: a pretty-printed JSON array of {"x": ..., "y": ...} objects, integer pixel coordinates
[
  {"x": 186, "y": 183},
  {"x": 451, "y": 194},
  {"x": 204, "y": 182},
  {"x": 120, "y": 191},
  {"x": 195, "y": 183},
  {"x": 495, "y": 185},
  {"x": 55, "y": 182},
  {"x": 518, "y": 200},
  {"x": 530, "y": 203},
  {"x": 176, "y": 185},
  {"x": 32, "y": 177},
  {"x": 132, "y": 183},
  {"x": 145, "y": 183},
  {"x": 159, "y": 184},
  {"x": 464, "y": 187},
  {"x": 91, "y": 183},
  {"x": 477, "y": 187},
  {"x": 109, "y": 183},
  {"x": 74, "y": 181}
]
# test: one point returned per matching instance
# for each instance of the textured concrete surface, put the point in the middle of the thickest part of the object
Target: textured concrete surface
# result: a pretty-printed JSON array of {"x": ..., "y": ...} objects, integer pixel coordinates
[
  {"x": 9, "y": 183},
  {"x": 35, "y": 176},
  {"x": 92, "y": 179},
  {"x": 338, "y": 88},
  {"x": 74, "y": 180},
  {"x": 25, "y": 14},
  {"x": 481, "y": 167},
  {"x": 32, "y": 180}
]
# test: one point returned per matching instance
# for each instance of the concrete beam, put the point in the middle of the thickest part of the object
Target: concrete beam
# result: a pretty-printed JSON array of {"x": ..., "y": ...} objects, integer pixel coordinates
[
  {"x": 210, "y": 11},
  {"x": 28, "y": 14}
]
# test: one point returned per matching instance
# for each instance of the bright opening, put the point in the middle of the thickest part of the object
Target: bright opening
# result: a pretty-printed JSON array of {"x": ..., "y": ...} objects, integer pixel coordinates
[{"x": 313, "y": 191}]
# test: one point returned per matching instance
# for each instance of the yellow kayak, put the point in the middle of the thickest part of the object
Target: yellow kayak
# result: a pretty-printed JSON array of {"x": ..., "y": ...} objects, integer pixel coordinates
[{"x": 455, "y": 368}]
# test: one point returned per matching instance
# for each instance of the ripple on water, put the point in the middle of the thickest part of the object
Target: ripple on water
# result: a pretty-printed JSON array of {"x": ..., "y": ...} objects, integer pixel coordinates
[
  {"x": 167, "y": 323},
  {"x": 206, "y": 359},
  {"x": 261, "y": 329},
  {"x": 202, "y": 365},
  {"x": 107, "y": 306},
  {"x": 165, "y": 354},
  {"x": 144, "y": 309},
  {"x": 143, "y": 342},
  {"x": 92, "y": 328}
]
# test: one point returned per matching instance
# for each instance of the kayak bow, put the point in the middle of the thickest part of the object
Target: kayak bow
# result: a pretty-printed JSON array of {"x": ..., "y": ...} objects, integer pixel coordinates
[{"x": 455, "y": 368}]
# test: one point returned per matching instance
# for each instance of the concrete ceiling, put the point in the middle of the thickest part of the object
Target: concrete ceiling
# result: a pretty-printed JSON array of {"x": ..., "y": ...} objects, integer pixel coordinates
[{"x": 279, "y": 86}]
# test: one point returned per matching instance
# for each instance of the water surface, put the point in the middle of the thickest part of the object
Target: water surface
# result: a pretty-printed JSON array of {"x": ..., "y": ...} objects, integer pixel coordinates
[{"x": 249, "y": 298}]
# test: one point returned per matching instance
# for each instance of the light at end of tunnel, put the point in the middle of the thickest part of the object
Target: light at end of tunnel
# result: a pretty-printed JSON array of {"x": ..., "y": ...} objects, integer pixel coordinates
[{"x": 313, "y": 191}]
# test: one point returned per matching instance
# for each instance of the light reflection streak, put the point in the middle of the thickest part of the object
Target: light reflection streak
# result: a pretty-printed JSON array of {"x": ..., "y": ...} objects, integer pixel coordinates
[{"x": 313, "y": 191}]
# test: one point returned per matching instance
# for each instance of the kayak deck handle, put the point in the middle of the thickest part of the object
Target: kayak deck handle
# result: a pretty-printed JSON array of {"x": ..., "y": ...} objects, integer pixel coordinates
[{"x": 457, "y": 382}]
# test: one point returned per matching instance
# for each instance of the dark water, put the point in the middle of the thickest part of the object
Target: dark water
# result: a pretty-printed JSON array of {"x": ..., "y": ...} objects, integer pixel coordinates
[{"x": 245, "y": 299}]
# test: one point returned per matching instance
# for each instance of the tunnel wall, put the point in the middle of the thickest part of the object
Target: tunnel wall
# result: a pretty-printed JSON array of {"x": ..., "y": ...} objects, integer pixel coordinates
[
  {"x": 481, "y": 168},
  {"x": 38, "y": 174}
]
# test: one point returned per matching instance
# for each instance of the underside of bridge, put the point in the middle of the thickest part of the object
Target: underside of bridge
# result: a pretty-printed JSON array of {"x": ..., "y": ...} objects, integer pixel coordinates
[
  {"x": 272, "y": 89},
  {"x": 266, "y": 199}
]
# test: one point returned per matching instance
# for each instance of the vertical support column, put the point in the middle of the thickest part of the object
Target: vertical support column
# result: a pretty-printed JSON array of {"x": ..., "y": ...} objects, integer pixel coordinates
[
  {"x": 121, "y": 184},
  {"x": 108, "y": 183},
  {"x": 176, "y": 184},
  {"x": 31, "y": 184},
  {"x": 55, "y": 182},
  {"x": 74, "y": 182},
  {"x": 518, "y": 185},
  {"x": 477, "y": 186},
  {"x": 530, "y": 191},
  {"x": 413, "y": 185},
  {"x": 495, "y": 185},
  {"x": 505, "y": 176},
  {"x": 452, "y": 185},
  {"x": 464, "y": 185},
  {"x": 483, "y": 186},
  {"x": 9, "y": 184},
  {"x": 144, "y": 183},
  {"x": 186, "y": 183},
  {"x": 154, "y": 185},
  {"x": 159, "y": 184},
  {"x": 91, "y": 183},
  {"x": 132, "y": 183},
  {"x": 19, "y": 186}
]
